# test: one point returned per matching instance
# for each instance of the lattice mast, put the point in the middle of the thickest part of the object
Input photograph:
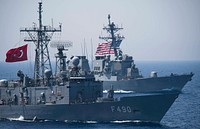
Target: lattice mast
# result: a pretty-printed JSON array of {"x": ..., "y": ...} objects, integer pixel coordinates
[
  {"x": 115, "y": 38},
  {"x": 41, "y": 37}
]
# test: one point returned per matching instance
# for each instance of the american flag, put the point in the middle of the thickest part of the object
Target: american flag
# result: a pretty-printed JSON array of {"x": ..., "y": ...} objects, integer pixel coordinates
[{"x": 104, "y": 48}]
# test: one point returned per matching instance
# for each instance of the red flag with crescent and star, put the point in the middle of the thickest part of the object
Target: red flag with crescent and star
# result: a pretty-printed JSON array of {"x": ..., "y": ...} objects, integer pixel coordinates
[{"x": 17, "y": 54}]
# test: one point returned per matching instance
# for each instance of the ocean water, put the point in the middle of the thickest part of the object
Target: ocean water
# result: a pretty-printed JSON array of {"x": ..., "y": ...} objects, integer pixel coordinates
[{"x": 183, "y": 114}]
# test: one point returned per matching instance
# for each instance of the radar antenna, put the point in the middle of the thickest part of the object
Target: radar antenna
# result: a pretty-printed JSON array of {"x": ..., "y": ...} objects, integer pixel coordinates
[
  {"x": 114, "y": 38},
  {"x": 60, "y": 56},
  {"x": 41, "y": 37}
]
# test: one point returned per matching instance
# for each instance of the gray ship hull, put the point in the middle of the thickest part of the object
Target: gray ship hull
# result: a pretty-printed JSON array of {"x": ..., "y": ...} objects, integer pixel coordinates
[
  {"x": 73, "y": 94},
  {"x": 176, "y": 82},
  {"x": 143, "y": 107}
]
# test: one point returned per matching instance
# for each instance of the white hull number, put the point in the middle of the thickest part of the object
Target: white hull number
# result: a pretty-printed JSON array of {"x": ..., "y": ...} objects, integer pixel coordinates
[{"x": 122, "y": 109}]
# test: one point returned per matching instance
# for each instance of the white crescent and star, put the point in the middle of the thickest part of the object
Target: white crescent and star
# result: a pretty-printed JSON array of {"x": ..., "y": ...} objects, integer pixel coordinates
[{"x": 21, "y": 54}]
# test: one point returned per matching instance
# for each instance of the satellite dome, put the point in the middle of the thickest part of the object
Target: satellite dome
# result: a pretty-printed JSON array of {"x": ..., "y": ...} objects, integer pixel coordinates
[
  {"x": 4, "y": 82},
  {"x": 75, "y": 61},
  {"x": 48, "y": 73}
]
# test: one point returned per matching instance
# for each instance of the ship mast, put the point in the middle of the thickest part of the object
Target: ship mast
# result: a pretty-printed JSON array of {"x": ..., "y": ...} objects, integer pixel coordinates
[
  {"x": 41, "y": 37},
  {"x": 116, "y": 39}
]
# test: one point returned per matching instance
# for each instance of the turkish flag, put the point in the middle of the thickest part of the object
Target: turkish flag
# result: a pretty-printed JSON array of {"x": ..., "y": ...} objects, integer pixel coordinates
[{"x": 17, "y": 54}]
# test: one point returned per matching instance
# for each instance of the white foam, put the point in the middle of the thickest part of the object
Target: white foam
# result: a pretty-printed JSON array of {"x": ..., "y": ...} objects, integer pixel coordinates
[
  {"x": 20, "y": 118},
  {"x": 120, "y": 91}
]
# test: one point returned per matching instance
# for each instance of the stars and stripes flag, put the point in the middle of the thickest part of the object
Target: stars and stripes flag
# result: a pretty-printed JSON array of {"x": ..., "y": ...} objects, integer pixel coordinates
[{"x": 104, "y": 48}]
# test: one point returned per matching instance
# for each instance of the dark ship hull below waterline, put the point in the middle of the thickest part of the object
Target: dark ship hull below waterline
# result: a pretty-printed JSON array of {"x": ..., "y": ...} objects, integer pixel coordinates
[{"x": 149, "y": 107}]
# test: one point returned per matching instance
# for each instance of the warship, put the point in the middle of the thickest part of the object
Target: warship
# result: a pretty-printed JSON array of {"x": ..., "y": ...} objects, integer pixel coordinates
[
  {"x": 72, "y": 93},
  {"x": 119, "y": 72}
]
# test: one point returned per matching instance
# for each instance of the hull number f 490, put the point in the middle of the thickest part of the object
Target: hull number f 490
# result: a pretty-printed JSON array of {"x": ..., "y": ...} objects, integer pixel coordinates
[{"x": 122, "y": 109}]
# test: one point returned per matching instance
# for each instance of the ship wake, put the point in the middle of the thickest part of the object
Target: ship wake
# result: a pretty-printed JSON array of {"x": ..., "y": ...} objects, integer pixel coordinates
[{"x": 119, "y": 92}]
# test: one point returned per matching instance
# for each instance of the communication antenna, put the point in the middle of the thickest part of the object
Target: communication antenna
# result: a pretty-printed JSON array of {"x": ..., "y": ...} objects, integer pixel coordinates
[
  {"x": 40, "y": 35},
  {"x": 60, "y": 56},
  {"x": 91, "y": 53},
  {"x": 115, "y": 38}
]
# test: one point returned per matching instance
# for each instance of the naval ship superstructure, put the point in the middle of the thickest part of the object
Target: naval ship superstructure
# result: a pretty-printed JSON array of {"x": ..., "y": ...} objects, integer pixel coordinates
[
  {"x": 118, "y": 70},
  {"x": 72, "y": 93}
]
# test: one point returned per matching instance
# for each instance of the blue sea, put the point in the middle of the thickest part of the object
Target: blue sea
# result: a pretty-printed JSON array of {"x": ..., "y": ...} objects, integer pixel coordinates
[{"x": 183, "y": 114}]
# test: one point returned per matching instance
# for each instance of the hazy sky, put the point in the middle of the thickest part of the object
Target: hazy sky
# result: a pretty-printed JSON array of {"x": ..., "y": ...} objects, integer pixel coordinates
[{"x": 153, "y": 29}]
